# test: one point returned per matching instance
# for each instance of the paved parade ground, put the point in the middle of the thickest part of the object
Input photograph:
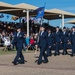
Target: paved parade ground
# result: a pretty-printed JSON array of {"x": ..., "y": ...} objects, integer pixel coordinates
[{"x": 58, "y": 65}]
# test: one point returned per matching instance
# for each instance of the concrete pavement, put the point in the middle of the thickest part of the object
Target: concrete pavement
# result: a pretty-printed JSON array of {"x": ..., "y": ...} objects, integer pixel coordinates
[{"x": 58, "y": 65}]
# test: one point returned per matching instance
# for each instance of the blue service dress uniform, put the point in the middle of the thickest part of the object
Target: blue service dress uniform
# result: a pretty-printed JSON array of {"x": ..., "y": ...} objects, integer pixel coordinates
[
  {"x": 57, "y": 39},
  {"x": 65, "y": 41},
  {"x": 73, "y": 42},
  {"x": 43, "y": 45},
  {"x": 18, "y": 41},
  {"x": 49, "y": 43}
]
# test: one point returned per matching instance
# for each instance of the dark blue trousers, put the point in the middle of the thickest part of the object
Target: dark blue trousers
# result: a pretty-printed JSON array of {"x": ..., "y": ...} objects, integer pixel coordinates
[
  {"x": 57, "y": 48},
  {"x": 73, "y": 48},
  {"x": 42, "y": 54},
  {"x": 19, "y": 55},
  {"x": 64, "y": 47},
  {"x": 49, "y": 51}
]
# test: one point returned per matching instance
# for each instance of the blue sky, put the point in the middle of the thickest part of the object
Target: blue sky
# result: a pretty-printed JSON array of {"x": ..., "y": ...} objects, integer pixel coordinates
[{"x": 67, "y": 5}]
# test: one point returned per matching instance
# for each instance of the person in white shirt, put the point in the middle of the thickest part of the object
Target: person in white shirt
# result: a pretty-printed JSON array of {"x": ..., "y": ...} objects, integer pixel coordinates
[{"x": 7, "y": 43}]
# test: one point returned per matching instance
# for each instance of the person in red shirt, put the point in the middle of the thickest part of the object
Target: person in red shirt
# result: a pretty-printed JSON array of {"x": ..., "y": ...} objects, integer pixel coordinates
[
  {"x": 32, "y": 43},
  {"x": 31, "y": 40}
]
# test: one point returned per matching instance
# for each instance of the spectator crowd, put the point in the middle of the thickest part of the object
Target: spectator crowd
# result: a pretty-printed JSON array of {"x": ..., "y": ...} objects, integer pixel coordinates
[{"x": 31, "y": 42}]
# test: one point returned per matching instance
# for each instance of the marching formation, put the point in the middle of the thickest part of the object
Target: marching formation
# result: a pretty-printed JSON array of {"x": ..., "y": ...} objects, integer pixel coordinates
[{"x": 46, "y": 41}]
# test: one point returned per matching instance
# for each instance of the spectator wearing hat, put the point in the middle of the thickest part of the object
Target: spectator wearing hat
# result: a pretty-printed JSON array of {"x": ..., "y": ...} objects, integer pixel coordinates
[
  {"x": 73, "y": 40},
  {"x": 42, "y": 45},
  {"x": 65, "y": 40},
  {"x": 57, "y": 39}
]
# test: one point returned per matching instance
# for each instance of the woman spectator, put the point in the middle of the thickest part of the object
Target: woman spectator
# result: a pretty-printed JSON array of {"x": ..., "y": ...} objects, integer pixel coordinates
[
  {"x": 32, "y": 43},
  {"x": 7, "y": 42},
  {"x": 36, "y": 44},
  {"x": 27, "y": 39}
]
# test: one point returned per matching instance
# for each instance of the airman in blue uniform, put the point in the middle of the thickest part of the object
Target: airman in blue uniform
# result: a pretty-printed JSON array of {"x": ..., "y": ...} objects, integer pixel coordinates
[
  {"x": 64, "y": 40},
  {"x": 73, "y": 40},
  {"x": 49, "y": 42},
  {"x": 18, "y": 41},
  {"x": 57, "y": 39},
  {"x": 42, "y": 45}
]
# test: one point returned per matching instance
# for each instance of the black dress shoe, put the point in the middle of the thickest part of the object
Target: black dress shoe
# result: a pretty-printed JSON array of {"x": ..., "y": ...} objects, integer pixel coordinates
[
  {"x": 55, "y": 54},
  {"x": 39, "y": 63},
  {"x": 72, "y": 55},
  {"x": 15, "y": 63},
  {"x": 12, "y": 61},
  {"x": 49, "y": 54},
  {"x": 36, "y": 61},
  {"x": 25, "y": 60},
  {"x": 45, "y": 61},
  {"x": 66, "y": 52},
  {"x": 58, "y": 53},
  {"x": 62, "y": 53},
  {"x": 22, "y": 63}
]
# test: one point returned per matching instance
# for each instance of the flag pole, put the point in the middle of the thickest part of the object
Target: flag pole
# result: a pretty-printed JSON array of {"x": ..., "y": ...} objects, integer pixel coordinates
[
  {"x": 41, "y": 20},
  {"x": 42, "y": 17},
  {"x": 20, "y": 20}
]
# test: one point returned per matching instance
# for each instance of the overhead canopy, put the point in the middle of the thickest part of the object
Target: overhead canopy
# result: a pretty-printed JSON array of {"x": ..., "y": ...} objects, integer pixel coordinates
[
  {"x": 25, "y": 6},
  {"x": 70, "y": 22},
  {"x": 4, "y": 5},
  {"x": 57, "y": 14},
  {"x": 17, "y": 10}
]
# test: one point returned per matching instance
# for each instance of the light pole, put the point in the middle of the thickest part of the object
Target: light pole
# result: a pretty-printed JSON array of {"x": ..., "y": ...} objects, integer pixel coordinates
[
  {"x": 62, "y": 16},
  {"x": 28, "y": 23},
  {"x": 27, "y": 13},
  {"x": 62, "y": 21}
]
